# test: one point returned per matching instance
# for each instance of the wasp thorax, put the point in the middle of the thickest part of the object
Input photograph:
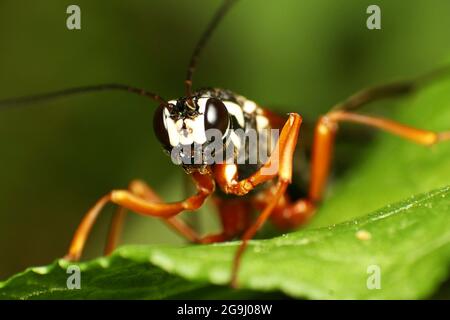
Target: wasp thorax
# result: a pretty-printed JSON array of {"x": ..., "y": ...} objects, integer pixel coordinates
[{"x": 177, "y": 124}]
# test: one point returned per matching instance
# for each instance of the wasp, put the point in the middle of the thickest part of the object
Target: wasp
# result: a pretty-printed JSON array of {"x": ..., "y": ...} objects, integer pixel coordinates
[{"x": 238, "y": 188}]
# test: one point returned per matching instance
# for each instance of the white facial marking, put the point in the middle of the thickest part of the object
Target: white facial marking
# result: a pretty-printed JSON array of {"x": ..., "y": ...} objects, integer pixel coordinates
[
  {"x": 236, "y": 111},
  {"x": 186, "y": 131},
  {"x": 262, "y": 122},
  {"x": 202, "y": 104},
  {"x": 179, "y": 124},
  {"x": 249, "y": 106},
  {"x": 172, "y": 131},
  {"x": 196, "y": 131}
]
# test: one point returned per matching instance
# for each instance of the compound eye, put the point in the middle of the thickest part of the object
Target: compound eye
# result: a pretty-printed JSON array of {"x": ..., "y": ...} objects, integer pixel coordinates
[
  {"x": 159, "y": 128},
  {"x": 216, "y": 115}
]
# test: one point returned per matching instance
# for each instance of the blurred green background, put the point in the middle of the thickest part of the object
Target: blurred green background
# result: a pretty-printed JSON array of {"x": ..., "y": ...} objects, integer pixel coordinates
[{"x": 57, "y": 158}]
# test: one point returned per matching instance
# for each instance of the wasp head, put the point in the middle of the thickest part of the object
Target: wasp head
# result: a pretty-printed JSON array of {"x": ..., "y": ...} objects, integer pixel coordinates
[{"x": 186, "y": 128}]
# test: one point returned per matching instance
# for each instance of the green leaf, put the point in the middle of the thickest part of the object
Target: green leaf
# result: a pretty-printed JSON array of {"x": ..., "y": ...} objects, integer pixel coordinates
[
  {"x": 409, "y": 242},
  {"x": 125, "y": 275}
]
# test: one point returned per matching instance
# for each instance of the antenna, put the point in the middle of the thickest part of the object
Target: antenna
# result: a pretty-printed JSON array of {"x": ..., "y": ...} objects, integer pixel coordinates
[
  {"x": 78, "y": 90},
  {"x": 220, "y": 13}
]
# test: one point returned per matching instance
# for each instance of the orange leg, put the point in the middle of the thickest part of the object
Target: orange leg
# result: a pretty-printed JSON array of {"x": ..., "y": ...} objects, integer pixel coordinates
[
  {"x": 235, "y": 217},
  {"x": 325, "y": 133},
  {"x": 142, "y": 190},
  {"x": 282, "y": 157},
  {"x": 292, "y": 214},
  {"x": 250, "y": 233},
  {"x": 130, "y": 201},
  {"x": 327, "y": 125},
  {"x": 278, "y": 165},
  {"x": 287, "y": 214},
  {"x": 115, "y": 230},
  {"x": 234, "y": 214}
]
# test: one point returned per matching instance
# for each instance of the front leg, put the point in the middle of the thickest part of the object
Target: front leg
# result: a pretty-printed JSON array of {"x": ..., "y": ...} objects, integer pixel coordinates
[
  {"x": 124, "y": 198},
  {"x": 278, "y": 165},
  {"x": 280, "y": 159}
]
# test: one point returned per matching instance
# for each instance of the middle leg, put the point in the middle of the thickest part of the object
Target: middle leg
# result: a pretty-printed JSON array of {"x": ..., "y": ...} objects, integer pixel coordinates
[
  {"x": 234, "y": 215},
  {"x": 205, "y": 186},
  {"x": 279, "y": 165}
]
